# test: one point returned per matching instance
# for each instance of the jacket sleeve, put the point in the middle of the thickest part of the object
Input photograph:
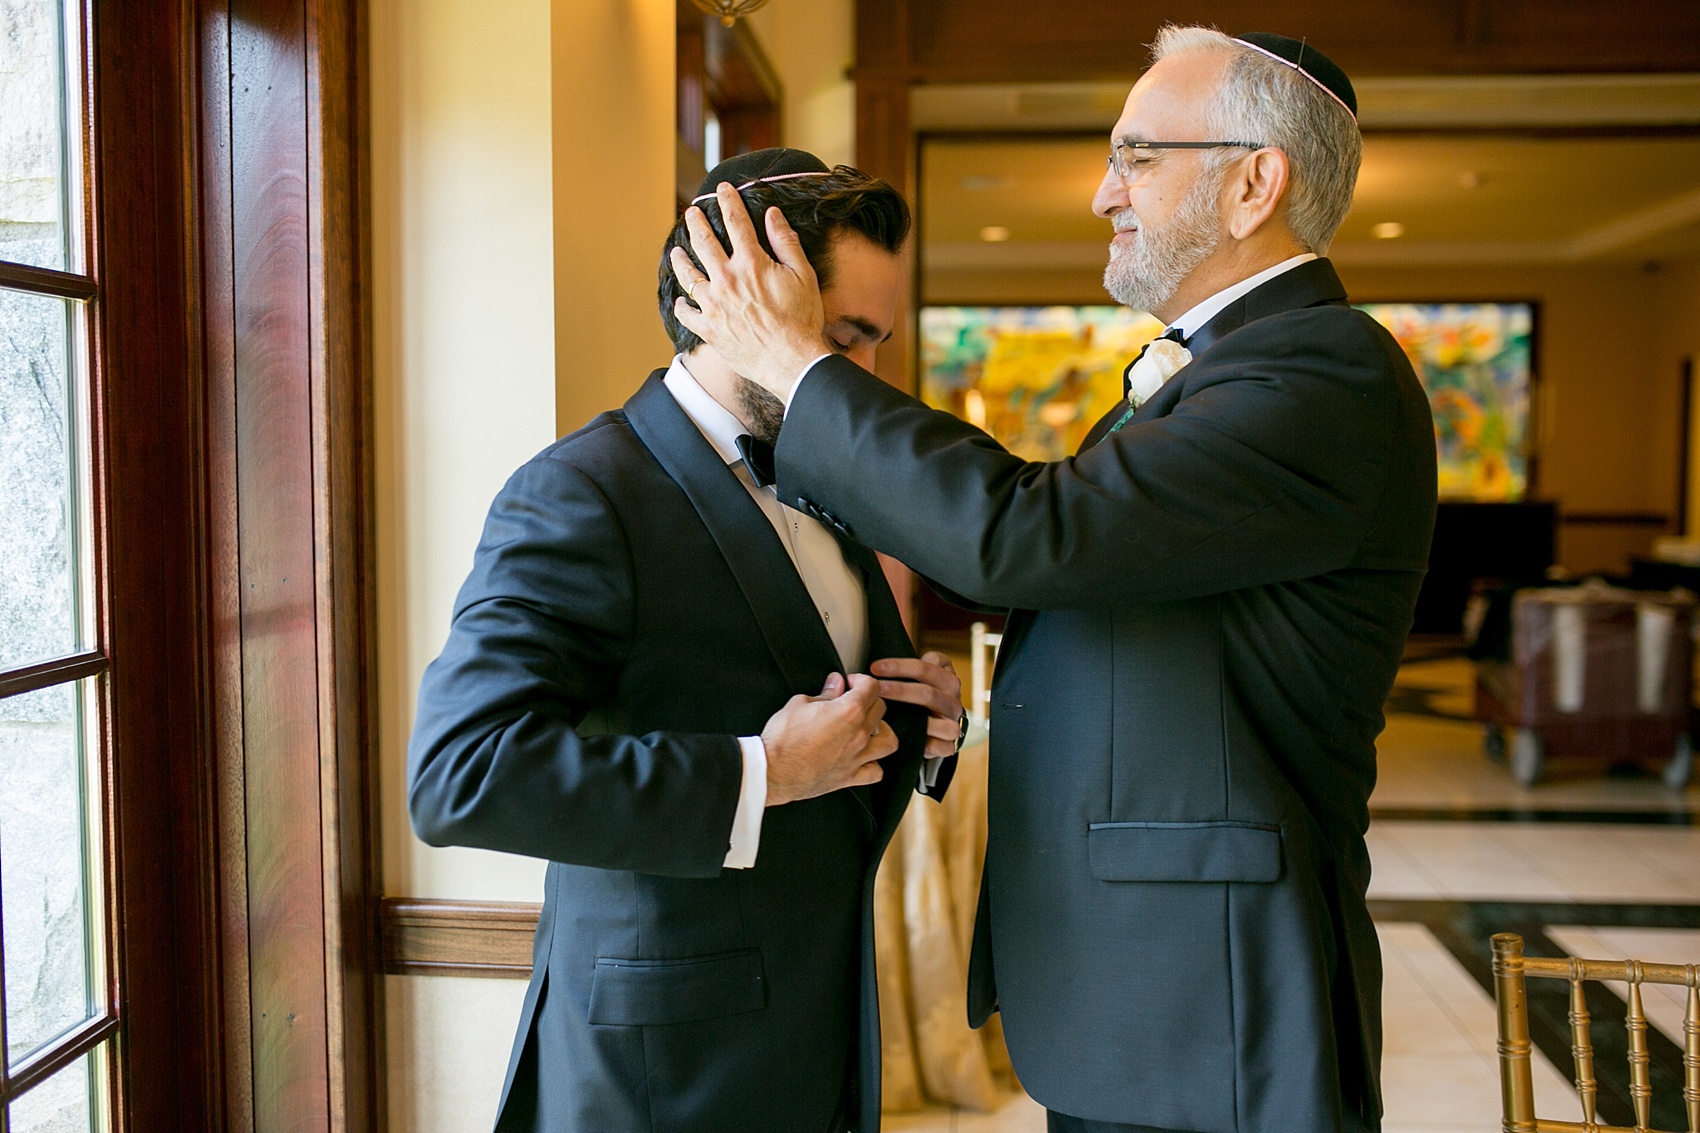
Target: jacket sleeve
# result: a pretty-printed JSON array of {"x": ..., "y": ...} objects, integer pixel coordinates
[
  {"x": 501, "y": 755},
  {"x": 1267, "y": 469}
]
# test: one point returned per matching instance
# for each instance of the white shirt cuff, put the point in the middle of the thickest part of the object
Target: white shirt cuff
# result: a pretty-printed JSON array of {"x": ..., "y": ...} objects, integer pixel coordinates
[
  {"x": 752, "y": 804},
  {"x": 930, "y": 772},
  {"x": 789, "y": 396}
]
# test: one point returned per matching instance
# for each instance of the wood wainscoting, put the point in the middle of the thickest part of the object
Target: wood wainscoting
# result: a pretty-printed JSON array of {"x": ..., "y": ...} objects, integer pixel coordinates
[{"x": 457, "y": 938}]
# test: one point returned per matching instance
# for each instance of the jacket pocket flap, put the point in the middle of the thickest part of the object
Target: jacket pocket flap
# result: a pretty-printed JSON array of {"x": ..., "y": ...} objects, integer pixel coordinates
[
  {"x": 643, "y": 993},
  {"x": 1184, "y": 851}
]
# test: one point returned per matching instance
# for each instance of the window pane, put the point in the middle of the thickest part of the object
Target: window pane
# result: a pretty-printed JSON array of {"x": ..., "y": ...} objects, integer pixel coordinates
[
  {"x": 38, "y": 517},
  {"x": 68, "y": 1102},
  {"x": 44, "y": 872},
  {"x": 32, "y": 134}
]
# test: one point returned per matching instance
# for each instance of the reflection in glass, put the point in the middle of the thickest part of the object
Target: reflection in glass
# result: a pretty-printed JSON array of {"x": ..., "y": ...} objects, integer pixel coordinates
[
  {"x": 37, "y": 506},
  {"x": 65, "y": 1103},
  {"x": 43, "y": 870},
  {"x": 32, "y": 134}
]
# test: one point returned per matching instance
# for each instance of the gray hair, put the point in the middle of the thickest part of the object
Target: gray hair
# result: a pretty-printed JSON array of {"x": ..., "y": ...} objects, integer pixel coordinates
[{"x": 1268, "y": 102}]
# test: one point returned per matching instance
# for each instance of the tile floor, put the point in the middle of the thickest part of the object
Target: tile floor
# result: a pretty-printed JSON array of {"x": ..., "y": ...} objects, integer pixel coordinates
[{"x": 1439, "y": 1073}]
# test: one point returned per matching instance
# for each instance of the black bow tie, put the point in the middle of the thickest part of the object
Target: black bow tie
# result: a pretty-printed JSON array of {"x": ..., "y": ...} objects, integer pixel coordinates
[{"x": 758, "y": 458}]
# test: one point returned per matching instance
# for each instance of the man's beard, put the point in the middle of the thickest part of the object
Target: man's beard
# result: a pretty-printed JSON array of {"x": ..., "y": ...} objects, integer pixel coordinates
[
  {"x": 764, "y": 412},
  {"x": 1146, "y": 275}
]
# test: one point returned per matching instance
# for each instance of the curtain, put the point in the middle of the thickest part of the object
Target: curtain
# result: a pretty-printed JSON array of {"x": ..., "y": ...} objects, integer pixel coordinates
[{"x": 924, "y": 900}]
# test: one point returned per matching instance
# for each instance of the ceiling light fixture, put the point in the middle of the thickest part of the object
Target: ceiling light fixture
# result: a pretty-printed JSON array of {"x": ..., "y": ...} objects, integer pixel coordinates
[
  {"x": 728, "y": 10},
  {"x": 1388, "y": 230},
  {"x": 994, "y": 234}
]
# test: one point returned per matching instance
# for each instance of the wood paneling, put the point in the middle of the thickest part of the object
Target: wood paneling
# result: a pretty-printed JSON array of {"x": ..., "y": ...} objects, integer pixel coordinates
[
  {"x": 722, "y": 71},
  {"x": 146, "y": 420},
  {"x": 344, "y": 565},
  {"x": 285, "y": 914},
  {"x": 229, "y": 417},
  {"x": 885, "y": 147},
  {"x": 286, "y": 548},
  {"x": 450, "y": 938},
  {"x": 1020, "y": 41}
]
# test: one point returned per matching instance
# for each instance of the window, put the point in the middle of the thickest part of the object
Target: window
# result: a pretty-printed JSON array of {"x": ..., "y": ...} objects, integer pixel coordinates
[
  {"x": 182, "y": 594},
  {"x": 58, "y": 1011}
]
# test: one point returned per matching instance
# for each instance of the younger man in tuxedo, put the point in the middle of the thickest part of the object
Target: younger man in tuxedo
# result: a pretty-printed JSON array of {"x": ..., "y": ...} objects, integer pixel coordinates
[{"x": 629, "y": 690}]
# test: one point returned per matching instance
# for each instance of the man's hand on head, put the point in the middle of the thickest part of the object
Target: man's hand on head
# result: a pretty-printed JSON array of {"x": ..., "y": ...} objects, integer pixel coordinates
[{"x": 762, "y": 315}]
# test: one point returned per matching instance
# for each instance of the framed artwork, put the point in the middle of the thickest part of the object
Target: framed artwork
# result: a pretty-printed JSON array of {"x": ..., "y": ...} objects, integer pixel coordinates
[
  {"x": 1476, "y": 360},
  {"x": 1037, "y": 378}
]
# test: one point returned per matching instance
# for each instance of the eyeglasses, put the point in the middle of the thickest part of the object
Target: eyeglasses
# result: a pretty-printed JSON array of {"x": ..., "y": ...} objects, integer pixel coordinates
[{"x": 1122, "y": 164}]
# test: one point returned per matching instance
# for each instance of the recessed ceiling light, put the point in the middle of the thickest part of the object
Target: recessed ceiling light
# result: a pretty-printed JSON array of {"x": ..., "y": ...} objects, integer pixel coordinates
[
  {"x": 994, "y": 234},
  {"x": 1388, "y": 230}
]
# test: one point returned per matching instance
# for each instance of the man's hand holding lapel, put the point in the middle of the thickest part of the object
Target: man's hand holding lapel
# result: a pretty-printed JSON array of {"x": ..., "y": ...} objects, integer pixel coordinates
[
  {"x": 929, "y": 681},
  {"x": 763, "y": 315},
  {"x": 820, "y": 744}
]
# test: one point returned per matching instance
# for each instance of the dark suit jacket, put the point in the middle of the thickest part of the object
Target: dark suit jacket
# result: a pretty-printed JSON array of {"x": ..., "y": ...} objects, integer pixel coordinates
[
  {"x": 1208, "y": 610},
  {"x": 629, "y": 613}
]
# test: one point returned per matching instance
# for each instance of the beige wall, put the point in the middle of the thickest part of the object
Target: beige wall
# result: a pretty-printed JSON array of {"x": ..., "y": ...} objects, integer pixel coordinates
[
  {"x": 812, "y": 45},
  {"x": 522, "y": 173},
  {"x": 463, "y": 383},
  {"x": 463, "y": 348},
  {"x": 1608, "y": 342},
  {"x": 503, "y": 256},
  {"x": 613, "y": 158}
]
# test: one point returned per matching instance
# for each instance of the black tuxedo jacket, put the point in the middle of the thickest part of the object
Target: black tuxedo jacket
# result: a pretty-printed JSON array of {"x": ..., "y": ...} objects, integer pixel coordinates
[
  {"x": 630, "y": 612},
  {"x": 1208, "y": 609}
]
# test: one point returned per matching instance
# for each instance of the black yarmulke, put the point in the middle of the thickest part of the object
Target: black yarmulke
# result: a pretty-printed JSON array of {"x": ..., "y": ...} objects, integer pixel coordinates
[
  {"x": 763, "y": 164},
  {"x": 1308, "y": 61}
]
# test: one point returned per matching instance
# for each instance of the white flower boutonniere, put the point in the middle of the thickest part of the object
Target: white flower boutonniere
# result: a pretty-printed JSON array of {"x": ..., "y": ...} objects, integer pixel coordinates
[{"x": 1160, "y": 362}]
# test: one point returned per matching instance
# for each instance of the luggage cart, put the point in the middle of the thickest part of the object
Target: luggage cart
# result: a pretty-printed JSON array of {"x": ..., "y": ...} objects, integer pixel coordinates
[{"x": 1596, "y": 675}]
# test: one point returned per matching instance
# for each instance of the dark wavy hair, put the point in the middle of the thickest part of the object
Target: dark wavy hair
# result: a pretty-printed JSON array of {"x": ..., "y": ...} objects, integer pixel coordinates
[{"x": 819, "y": 208}]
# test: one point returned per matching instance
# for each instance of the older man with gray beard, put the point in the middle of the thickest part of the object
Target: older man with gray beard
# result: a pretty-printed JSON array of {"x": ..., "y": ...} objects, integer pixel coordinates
[{"x": 1207, "y": 608}]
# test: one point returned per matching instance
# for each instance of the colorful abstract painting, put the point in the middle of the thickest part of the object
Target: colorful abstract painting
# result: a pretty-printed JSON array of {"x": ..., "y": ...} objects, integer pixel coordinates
[
  {"x": 1035, "y": 378},
  {"x": 1474, "y": 360}
]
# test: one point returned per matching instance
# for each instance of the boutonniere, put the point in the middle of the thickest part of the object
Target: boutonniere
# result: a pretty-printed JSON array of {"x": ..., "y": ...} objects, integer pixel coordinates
[{"x": 1162, "y": 360}]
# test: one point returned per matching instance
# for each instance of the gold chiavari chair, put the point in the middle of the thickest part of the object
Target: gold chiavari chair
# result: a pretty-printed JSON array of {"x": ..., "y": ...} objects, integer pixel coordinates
[{"x": 1517, "y": 1087}]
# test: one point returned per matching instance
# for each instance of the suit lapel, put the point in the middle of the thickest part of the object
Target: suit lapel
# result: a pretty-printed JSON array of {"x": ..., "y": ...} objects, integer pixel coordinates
[
  {"x": 887, "y": 637},
  {"x": 1307, "y": 285},
  {"x": 1312, "y": 283},
  {"x": 775, "y": 592},
  {"x": 747, "y": 541},
  {"x": 1102, "y": 429}
]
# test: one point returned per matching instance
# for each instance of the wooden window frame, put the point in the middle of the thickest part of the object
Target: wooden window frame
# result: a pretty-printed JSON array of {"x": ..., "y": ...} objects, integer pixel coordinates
[{"x": 228, "y": 402}]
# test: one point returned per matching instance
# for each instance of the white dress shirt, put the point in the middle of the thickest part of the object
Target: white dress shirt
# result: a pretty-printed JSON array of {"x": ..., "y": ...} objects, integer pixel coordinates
[
  {"x": 1189, "y": 323},
  {"x": 832, "y": 583}
]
